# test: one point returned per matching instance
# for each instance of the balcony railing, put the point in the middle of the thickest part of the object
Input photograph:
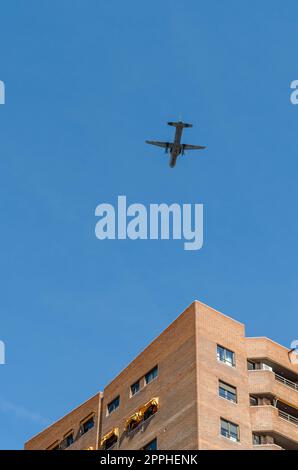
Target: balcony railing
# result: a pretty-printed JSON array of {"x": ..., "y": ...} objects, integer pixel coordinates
[
  {"x": 286, "y": 382},
  {"x": 288, "y": 417}
]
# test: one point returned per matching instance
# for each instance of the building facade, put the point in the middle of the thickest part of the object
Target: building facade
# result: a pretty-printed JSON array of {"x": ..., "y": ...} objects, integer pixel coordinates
[{"x": 201, "y": 384}]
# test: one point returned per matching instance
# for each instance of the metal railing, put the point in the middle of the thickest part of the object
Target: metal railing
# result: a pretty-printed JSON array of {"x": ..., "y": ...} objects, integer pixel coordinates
[
  {"x": 286, "y": 382},
  {"x": 288, "y": 417}
]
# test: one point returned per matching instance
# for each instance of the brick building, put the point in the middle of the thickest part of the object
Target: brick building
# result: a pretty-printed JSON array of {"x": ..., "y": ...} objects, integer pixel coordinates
[{"x": 201, "y": 384}]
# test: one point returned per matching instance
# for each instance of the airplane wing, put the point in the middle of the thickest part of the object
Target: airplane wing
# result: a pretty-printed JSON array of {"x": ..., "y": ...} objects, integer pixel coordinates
[
  {"x": 193, "y": 147},
  {"x": 159, "y": 144}
]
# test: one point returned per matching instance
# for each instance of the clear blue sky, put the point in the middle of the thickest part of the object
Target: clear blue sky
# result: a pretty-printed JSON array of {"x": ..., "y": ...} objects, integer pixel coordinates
[{"x": 86, "y": 83}]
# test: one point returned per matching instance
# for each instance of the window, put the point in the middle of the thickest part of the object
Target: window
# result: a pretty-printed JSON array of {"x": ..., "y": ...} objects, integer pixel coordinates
[
  {"x": 134, "y": 388},
  {"x": 133, "y": 423},
  {"x": 142, "y": 414},
  {"x": 88, "y": 424},
  {"x": 256, "y": 440},
  {"x": 69, "y": 440},
  {"x": 151, "y": 375},
  {"x": 251, "y": 365},
  {"x": 253, "y": 401},
  {"x": 227, "y": 391},
  {"x": 110, "y": 442},
  {"x": 150, "y": 411},
  {"x": 151, "y": 445},
  {"x": 110, "y": 439},
  {"x": 226, "y": 356},
  {"x": 113, "y": 405},
  {"x": 229, "y": 430}
]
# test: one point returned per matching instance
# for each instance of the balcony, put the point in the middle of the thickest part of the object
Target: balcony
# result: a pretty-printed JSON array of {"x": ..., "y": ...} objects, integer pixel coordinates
[
  {"x": 286, "y": 382},
  {"x": 288, "y": 417},
  {"x": 268, "y": 383},
  {"x": 260, "y": 349},
  {"x": 275, "y": 422}
]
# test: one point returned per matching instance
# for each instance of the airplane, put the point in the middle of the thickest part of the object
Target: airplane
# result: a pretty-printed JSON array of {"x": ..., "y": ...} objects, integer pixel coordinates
[{"x": 176, "y": 148}]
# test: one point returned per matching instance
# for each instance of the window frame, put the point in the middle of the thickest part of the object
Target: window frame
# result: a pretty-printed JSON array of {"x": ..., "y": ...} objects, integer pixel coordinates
[
  {"x": 225, "y": 397},
  {"x": 85, "y": 421},
  {"x": 115, "y": 408},
  {"x": 225, "y": 360},
  {"x": 253, "y": 399},
  {"x": 139, "y": 388},
  {"x": 229, "y": 434},
  {"x": 252, "y": 364},
  {"x": 66, "y": 436},
  {"x": 155, "y": 368}
]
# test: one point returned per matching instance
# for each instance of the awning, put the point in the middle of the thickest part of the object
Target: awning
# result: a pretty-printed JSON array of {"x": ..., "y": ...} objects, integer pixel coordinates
[
  {"x": 135, "y": 417},
  {"x": 113, "y": 432},
  {"x": 152, "y": 402}
]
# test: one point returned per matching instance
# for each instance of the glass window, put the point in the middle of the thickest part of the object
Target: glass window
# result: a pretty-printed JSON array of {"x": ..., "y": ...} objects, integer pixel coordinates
[
  {"x": 88, "y": 425},
  {"x": 151, "y": 445},
  {"x": 251, "y": 365},
  {"x": 226, "y": 356},
  {"x": 229, "y": 430},
  {"x": 256, "y": 440},
  {"x": 113, "y": 405},
  {"x": 253, "y": 401},
  {"x": 135, "y": 388},
  {"x": 151, "y": 375},
  {"x": 227, "y": 391},
  {"x": 69, "y": 440}
]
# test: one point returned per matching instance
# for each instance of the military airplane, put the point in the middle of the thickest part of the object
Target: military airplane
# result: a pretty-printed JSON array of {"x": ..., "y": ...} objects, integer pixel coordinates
[{"x": 176, "y": 148}]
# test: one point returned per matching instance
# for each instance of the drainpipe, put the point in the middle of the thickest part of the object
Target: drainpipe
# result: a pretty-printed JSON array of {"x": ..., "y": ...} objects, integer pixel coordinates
[{"x": 98, "y": 421}]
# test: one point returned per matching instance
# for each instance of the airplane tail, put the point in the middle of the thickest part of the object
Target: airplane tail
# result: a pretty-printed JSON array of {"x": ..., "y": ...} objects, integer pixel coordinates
[{"x": 179, "y": 124}]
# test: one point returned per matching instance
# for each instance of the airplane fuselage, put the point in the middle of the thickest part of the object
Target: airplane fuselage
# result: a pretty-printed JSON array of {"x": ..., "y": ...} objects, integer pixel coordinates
[{"x": 176, "y": 147}]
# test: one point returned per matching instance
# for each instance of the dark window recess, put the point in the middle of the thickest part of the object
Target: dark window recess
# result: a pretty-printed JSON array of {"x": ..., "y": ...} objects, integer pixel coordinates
[
  {"x": 69, "y": 440},
  {"x": 227, "y": 391},
  {"x": 253, "y": 401},
  {"x": 113, "y": 405},
  {"x": 151, "y": 445},
  {"x": 251, "y": 365},
  {"x": 110, "y": 442},
  {"x": 89, "y": 424},
  {"x": 229, "y": 430},
  {"x": 135, "y": 388},
  {"x": 151, "y": 375},
  {"x": 150, "y": 412},
  {"x": 256, "y": 440},
  {"x": 133, "y": 424}
]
